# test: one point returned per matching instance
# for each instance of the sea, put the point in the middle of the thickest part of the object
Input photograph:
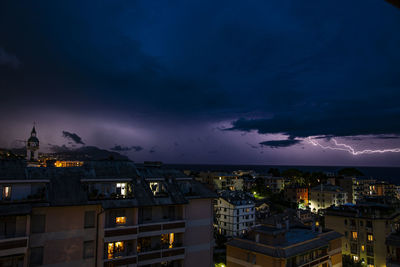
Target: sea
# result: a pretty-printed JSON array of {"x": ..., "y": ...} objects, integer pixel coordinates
[{"x": 389, "y": 174}]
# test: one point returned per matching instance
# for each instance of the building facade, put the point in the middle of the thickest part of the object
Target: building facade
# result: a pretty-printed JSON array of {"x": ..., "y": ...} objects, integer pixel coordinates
[
  {"x": 365, "y": 228},
  {"x": 235, "y": 213},
  {"x": 106, "y": 213},
  {"x": 325, "y": 195},
  {"x": 393, "y": 249},
  {"x": 275, "y": 184},
  {"x": 296, "y": 194},
  {"x": 285, "y": 247},
  {"x": 228, "y": 182}
]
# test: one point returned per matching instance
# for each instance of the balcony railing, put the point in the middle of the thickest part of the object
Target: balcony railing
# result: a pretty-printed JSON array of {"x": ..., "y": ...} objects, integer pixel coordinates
[
  {"x": 313, "y": 261},
  {"x": 14, "y": 243},
  {"x": 119, "y": 231},
  {"x": 142, "y": 229},
  {"x": 127, "y": 260},
  {"x": 162, "y": 254}
]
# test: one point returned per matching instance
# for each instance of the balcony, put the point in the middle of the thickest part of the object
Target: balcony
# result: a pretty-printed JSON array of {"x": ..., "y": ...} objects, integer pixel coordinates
[
  {"x": 120, "y": 233},
  {"x": 161, "y": 255},
  {"x": 133, "y": 232},
  {"x": 162, "y": 227},
  {"x": 14, "y": 245},
  {"x": 314, "y": 262},
  {"x": 119, "y": 253}
]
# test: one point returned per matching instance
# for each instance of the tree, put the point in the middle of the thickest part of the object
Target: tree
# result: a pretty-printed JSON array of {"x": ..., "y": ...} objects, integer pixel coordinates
[
  {"x": 350, "y": 172},
  {"x": 348, "y": 261},
  {"x": 274, "y": 172},
  {"x": 292, "y": 173}
]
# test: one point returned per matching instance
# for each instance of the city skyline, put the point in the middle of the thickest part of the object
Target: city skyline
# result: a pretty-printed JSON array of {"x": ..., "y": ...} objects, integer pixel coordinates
[{"x": 213, "y": 83}]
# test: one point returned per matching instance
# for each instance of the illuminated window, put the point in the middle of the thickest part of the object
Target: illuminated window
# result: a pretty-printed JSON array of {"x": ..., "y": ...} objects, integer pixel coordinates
[
  {"x": 362, "y": 247},
  {"x": 121, "y": 189},
  {"x": 168, "y": 240},
  {"x": 171, "y": 240},
  {"x": 110, "y": 250},
  {"x": 158, "y": 188},
  {"x": 316, "y": 223},
  {"x": 114, "y": 249},
  {"x": 355, "y": 258},
  {"x": 354, "y": 235},
  {"x": 6, "y": 192},
  {"x": 370, "y": 237},
  {"x": 120, "y": 220}
]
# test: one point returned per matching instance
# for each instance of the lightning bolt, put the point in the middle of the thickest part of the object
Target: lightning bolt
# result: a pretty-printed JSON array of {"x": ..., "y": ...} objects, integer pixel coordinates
[{"x": 351, "y": 150}]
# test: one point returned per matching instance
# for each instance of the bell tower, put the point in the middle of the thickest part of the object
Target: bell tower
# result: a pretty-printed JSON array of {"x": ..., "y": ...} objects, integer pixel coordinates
[{"x": 32, "y": 146}]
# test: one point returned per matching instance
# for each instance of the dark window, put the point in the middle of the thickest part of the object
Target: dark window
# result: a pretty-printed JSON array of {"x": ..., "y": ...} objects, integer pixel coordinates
[
  {"x": 89, "y": 218},
  {"x": 7, "y": 227},
  {"x": 370, "y": 261},
  {"x": 361, "y": 223},
  {"x": 370, "y": 250},
  {"x": 345, "y": 222},
  {"x": 36, "y": 257},
  {"x": 88, "y": 249},
  {"x": 38, "y": 223},
  {"x": 353, "y": 248}
]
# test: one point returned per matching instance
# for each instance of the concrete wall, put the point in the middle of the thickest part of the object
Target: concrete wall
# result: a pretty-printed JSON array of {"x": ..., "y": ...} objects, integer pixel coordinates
[
  {"x": 64, "y": 235},
  {"x": 236, "y": 257},
  {"x": 198, "y": 238}
]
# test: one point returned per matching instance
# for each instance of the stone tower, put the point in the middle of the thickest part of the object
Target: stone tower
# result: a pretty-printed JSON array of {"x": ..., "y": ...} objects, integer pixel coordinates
[{"x": 32, "y": 146}]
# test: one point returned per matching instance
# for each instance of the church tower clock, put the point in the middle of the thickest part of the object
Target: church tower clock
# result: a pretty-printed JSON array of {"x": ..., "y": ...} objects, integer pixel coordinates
[{"x": 32, "y": 146}]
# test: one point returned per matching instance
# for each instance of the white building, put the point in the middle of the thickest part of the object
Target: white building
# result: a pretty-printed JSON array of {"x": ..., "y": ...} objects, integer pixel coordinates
[
  {"x": 275, "y": 184},
  {"x": 324, "y": 196},
  {"x": 235, "y": 212},
  {"x": 228, "y": 182}
]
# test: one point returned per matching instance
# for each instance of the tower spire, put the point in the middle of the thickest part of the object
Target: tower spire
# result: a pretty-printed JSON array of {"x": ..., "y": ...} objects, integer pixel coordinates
[{"x": 32, "y": 146}]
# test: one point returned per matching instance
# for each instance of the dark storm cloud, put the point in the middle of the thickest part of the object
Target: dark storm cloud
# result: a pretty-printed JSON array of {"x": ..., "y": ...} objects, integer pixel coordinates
[
  {"x": 315, "y": 68},
  {"x": 8, "y": 59},
  {"x": 74, "y": 137},
  {"x": 280, "y": 143},
  {"x": 59, "y": 149},
  {"x": 120, "y": 148}
]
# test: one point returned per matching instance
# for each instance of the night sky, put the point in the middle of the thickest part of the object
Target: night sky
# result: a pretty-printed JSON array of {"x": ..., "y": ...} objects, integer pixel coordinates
[{"x": 221, "y": 82}]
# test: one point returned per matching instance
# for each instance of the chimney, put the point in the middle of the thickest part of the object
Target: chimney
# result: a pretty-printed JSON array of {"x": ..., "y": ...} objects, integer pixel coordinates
[{"x": 257, "y": 238}]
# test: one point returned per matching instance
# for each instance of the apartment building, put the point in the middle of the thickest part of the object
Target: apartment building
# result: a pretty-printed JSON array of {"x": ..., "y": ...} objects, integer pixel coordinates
[
  {"x": 296, "y": 193},
  {"x": 235, "y": 212},
  {"x": 325, "y": 195},
  {"x": 221, "y": 181},
  {"x": 228, "y": 182},
  {"x": 383, "y": 188},
  {"x": 275, "y": 184},
  {"x": 365, "y": 228},
  {"x": 285, "y": 247},
  {"x": 364, "y": 187},
  {"x": 393, "y": 249},
  {"x": 106, "y": 213}
]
